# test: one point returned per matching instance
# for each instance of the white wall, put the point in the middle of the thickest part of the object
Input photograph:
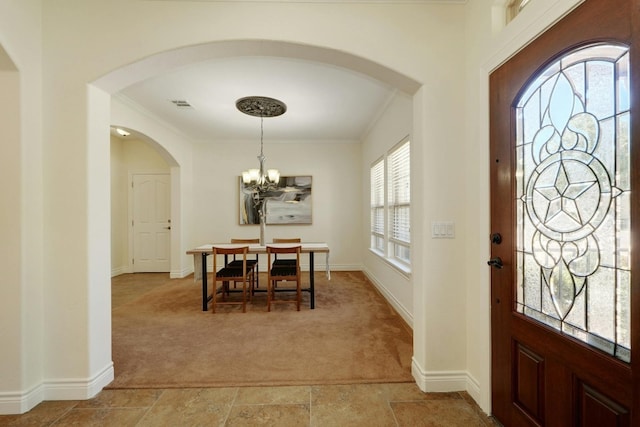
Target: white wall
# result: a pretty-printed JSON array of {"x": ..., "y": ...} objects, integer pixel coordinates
[
  {"x": 11, "y": 244},
  {"x": 21, "y": 249},
  {"x": 336, "y": 194},
  {"x": 119, "y": 208},
  {"x": 489, "y": 43},
  {"x": 395, "y": 124}
]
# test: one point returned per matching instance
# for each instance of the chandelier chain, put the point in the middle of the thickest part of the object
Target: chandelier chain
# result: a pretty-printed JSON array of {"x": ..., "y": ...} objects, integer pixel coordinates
[{"x": 261, "y": 136}]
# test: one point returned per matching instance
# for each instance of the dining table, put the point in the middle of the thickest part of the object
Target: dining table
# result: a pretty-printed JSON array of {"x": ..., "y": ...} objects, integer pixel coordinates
[{"x": 201, "y": 253}]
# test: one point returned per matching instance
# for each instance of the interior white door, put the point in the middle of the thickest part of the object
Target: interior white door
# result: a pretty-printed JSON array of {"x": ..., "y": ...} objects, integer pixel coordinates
[{"x": 151, "y": 223}]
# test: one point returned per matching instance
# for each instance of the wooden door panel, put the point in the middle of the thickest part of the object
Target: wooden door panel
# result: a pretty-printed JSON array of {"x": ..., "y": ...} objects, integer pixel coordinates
[
  {"x": 529, "y": 382},
  {"x": 597, "y": 410},
  {"x": 592, "y": 365}
]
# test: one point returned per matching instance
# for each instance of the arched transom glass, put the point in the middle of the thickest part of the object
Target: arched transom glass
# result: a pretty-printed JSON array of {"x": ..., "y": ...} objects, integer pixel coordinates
[{"x": 573, "y": 188}]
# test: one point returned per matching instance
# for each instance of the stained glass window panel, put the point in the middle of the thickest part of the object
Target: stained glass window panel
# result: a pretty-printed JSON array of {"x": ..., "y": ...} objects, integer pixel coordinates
[{"x": 572, "y": 198}]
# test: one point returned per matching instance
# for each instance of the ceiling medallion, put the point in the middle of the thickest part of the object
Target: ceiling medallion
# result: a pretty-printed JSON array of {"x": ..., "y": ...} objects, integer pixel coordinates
[{"x": 261, "y": 106}]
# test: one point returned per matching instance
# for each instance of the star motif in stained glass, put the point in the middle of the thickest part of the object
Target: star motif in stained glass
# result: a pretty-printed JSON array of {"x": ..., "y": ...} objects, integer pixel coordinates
[{"x": 563, "y": 197}]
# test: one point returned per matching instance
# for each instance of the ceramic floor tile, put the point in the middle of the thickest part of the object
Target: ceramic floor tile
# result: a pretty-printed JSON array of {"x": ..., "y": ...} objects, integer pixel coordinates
[
  {"x": 393, "y": 405},
  {"x": 331, "y": 394},
  {"x": 269, "y": 415},
  {"x": 192, "y": 407},
  {"x": 273, "y": 395},
  {"x": 42, "y": 415},
  {"x": 353, "y": 405},
  {"x": 122, "y": 399},
  {"x": 104, "y": 417},
  {"x": 436, "y": 413},
  {"x": 397, "y": 392},
  {"x": 488, "y": 421}
]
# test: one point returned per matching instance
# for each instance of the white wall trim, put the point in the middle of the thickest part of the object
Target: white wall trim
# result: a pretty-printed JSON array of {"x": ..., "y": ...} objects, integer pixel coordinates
[
  {"x": 123, "y": 269},
  {"x": 80, "y": 388},
  {"x": 334, "y": 267},
  {"x": 391, "y": 299},
  {"x": 540, "y": 18},
  {"x": 438, "y": 381},
  {"x": 60, "y": 389},
  {"x": 19, "y": 403},
  {"x": 445, "y": 381},
  {"x": 181, "y": 274},
  {"x": 473, "y": 388}
]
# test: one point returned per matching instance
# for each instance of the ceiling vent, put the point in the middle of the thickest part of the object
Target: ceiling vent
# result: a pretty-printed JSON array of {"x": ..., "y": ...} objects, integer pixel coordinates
[{"x": 181, "y": 103}]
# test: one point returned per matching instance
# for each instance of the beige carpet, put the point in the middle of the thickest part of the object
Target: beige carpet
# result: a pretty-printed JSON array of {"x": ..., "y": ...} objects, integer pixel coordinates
[{"x": 163, "y": 339}]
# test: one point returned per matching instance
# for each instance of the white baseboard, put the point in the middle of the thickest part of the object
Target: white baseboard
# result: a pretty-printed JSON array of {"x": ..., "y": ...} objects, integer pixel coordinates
[
  {"x": 19, "y": 403},
  {"x": 445, "y": 381},
  {"x": 120, "y": 270},
  {"x": 399, "y": 308},
  {"x": 439, "y": 381},
  {"x": 60, "y": 389},
  {"x": 340, "y": 267},
  {"x": 180, "y": 274},
  {"x": 473, "y": 388}
]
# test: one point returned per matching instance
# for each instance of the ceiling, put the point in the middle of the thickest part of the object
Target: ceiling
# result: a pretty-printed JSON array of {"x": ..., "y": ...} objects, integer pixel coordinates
[{"x": 324, "y": 102}]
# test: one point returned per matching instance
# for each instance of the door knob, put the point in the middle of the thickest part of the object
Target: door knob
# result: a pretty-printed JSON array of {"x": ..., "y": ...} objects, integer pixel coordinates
[{"x": 495, "y": 262}]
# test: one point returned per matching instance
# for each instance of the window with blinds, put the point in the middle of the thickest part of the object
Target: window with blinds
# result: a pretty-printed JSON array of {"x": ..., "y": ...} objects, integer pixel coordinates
[
  {"x": 391, "y": 206},
  {"x": 399, "y": 197},
  {"x": 377, "y": 205}
]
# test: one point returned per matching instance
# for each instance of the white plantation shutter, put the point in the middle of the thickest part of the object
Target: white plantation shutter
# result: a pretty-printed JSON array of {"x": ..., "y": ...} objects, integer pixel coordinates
[
  {"x": 400, "y": 193},
  {"x": 391, "y": 206},
  {"x": 377, "y": 205}
]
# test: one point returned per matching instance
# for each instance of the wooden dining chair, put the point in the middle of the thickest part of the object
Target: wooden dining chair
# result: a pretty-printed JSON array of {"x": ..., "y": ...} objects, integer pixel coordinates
[
  {"x": 225, "y": 275},
  {"x": 253, "y": 262},
  {"x": 285, "y": 261},
  {"x": 287, "y": 273}
]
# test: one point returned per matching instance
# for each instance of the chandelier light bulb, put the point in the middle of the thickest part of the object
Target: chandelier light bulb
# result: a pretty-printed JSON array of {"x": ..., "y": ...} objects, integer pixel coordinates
[{"x": 274, "y": 175}]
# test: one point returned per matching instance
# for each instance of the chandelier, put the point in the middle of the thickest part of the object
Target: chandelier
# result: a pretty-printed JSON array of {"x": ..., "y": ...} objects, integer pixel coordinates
[{"x": 261, "y": 180}]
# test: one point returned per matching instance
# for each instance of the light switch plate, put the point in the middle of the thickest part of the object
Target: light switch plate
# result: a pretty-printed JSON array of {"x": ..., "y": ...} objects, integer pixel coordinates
[{"x": 443, "y": 230}]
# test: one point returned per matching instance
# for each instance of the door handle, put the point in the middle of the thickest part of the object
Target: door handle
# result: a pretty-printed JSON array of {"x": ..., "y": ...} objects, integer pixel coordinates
[{"x": 496, "y": 262}]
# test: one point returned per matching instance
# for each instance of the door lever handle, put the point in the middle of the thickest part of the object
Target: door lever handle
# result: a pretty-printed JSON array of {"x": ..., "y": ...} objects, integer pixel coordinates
[{"x": 496, "y": 262}]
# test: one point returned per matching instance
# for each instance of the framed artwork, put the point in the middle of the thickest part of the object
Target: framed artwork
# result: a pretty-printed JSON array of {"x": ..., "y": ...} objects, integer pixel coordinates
[{"x": 289, "y": 203}]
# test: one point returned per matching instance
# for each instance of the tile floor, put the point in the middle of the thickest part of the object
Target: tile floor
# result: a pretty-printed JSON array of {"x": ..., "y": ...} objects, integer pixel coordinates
[{"x": 370, "y": 405}]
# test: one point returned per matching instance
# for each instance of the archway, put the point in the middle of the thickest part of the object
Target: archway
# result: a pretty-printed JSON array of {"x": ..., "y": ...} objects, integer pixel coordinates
[
  {"x": 115, "y": 81},
  {"x": 137, "y": 155},
  {"x": 12, "y": 188},
  {"x": 163, "y": 62}
]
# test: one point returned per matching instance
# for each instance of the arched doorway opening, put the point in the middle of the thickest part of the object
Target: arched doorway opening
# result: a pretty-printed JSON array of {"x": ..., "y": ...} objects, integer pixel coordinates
[{"x": 146, "y": 68}]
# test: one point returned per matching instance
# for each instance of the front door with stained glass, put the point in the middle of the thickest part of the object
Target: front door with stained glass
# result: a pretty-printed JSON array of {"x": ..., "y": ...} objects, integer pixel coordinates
[
  {"x": 562, "y": 156},
  {"x": 573, "y": 188}
]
